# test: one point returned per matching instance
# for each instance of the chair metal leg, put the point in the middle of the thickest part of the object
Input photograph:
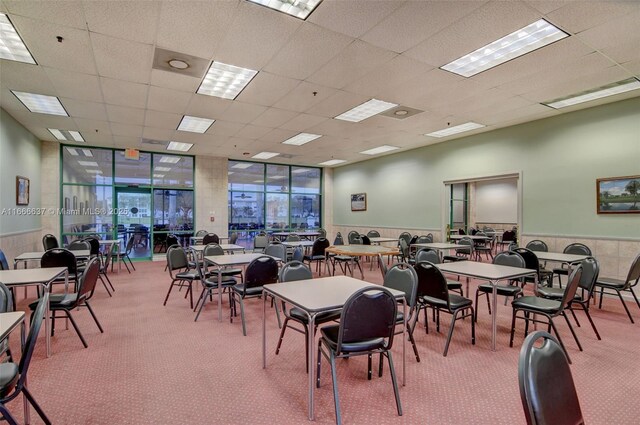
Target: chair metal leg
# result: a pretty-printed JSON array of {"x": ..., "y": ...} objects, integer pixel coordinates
[
  {"x": 334, "y": 377},
  {"x": 624, "y": 304},
  {"x": 601, "y": 297},
  {"x": 7, "y": 415},
  {"x": 75, "y": 326},
  {"x": 244, "y": 328},
  {"x": 109, "y": 282},
  {"x": 36, "y": 406},
  {"x": 574, "y": 317},
  {"x": 473, "y": 328},
  {"x": 593, "y": 325},
  {"x": 571, "y": 329},
  {"x": 413, "y": 343},
  {"x": 105, "y": 285},
  {"x": 319, "y": 357},
  {"x": 168, "y": 293},
  {"x": 284, "y": 328},
  {"x": 453, "y": 324},
  {"x": 204, "y": 300},
  {"x": 513, "y": 327},
  {"x": 395, "y": 382},
  {"x": 369, "y": 367},
  {"x": 634, "y": 297},
  {"x": 95, "y": 319},
  {"x": 552, "y": 325}
]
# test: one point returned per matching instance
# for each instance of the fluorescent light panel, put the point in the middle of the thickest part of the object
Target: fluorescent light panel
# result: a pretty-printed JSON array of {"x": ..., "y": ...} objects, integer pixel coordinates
[
  {"x": 597, "y": 93},
  {"x": 11, "y": 45},
  {"x": 66, "y": 135},
  {"x": 158, "y": 176},
  {"x": 94, "y": 171},
  {"x": 170, "y": 159},
  {"x": 225, "y": 81},
  {"x": 265, "y": 155},
  {"x": 518, "y": 43},
  {"x": 297, "y": 8},
  {"x": 380, "y": 149},
  {"x": 195, "y": 124},
  {"x": 41, "y": 103},
  {"x": 162, "y": 169},
  {"x": 87, "y": 152},
  {"x": 242, "y": 165},
  {"x": 456, "y": 129},
  {"x": 88, "y": 163},
  {"x": 178, "y": 146},
  {"x": 366, "y": 110},
  {"x": 301, "y": 138},
  {"x": 73, "y": 152},
  {"x": 332, "y": 162}
]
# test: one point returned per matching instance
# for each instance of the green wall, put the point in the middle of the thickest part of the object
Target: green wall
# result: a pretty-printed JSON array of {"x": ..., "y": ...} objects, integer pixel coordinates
[
  {"x": 560, "y": 159},
  {"x": 19, "y": 156}
]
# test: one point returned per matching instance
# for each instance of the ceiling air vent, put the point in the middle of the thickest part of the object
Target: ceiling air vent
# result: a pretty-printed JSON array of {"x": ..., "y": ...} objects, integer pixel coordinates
[
  {"x": 153, "y": 142},
  {"x": 180, "y": 63},
  {"x": 401, "y": 112}
]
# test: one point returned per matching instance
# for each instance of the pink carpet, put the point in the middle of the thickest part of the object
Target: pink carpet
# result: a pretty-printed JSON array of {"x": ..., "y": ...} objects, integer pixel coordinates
[{"x": 154, "y": 365}]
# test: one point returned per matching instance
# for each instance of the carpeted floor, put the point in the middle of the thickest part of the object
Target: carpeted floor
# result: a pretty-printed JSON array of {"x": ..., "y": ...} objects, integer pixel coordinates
[{"x": 155, "y": 365}]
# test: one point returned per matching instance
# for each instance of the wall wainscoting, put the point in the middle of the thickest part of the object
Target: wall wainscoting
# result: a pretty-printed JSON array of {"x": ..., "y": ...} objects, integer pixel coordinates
[
  {"x": 14, "y": 244},
  {"x": 387, "y": 232}
]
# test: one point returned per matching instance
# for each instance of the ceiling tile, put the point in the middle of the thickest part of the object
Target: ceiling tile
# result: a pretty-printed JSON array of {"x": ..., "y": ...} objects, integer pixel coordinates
[
  {"x": 415, "y": 21},
  {"x": 168, "y": 100},
  {"x": 242, "y": 112},
  {"x": 304, "y": 96},
  {"x": 277, "y": 135},
  {"x": 354, "y": 17},
  {"x": 225, "y": 128},
  {"x": 624, "y": 52},
  {"x": 89, "y": 126},
  {"x": 25, "y": 77},
  {"x": 273, "y": 117},
  {"x": 546, "y": 6},
  {"x": 250, "y": 131},
  {"x": 576, "y": 17},
  {"x": 61, "y": 12},
  {"x": 75, "y": 85},
  {"x": 351, "y": 64},
  {"x": 130, "y": 20},
  {"x": 125, "y": 115},
  {"x": 158, "y": 134},
  {"x": 303, "y": 122},
  {"x": 207, "y": 106},
  {"x": 122, "y": 59},
  {"x": 171, "y": 80},
  {"x": 612, "y": 33},
  {"x": 118, "y": 129},
  {"x": 310, "y": 48},
  {"x": 266, "y": 89},
  {"x": 124, "y": 93},
  {"x": 337, "y": 103},
  {"x": 163, "y": 120},
  {"x": 194, "y": 28},
  {"x": 83, "y": 109}
]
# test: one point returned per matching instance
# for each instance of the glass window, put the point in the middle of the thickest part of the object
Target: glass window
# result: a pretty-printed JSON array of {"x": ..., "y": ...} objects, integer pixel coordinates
[
  {"x": 87, "y": 209},
  {"x": 87, "y": 166},
  {"x": 305, "y": 180},
  {"x": 277, "y": 213},
  {"x": 305, "y": 212},
  {"x": 277, "y": 178},
  {"x": 246, "y": 176},
  {"x": 131, "y": 171},
  {"x": 173, "y": 210},
  {"x": 246, "y": 211},
  {"x": 172, "y": 170}
]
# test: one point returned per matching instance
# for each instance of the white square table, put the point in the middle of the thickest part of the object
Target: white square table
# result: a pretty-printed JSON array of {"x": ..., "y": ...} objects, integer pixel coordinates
[
  {"x": 493, "y": 273},
  {"x": 36, "y": 256},
  {"x": 437, "y": 246},
  {"x": 314, "y": 296},
  {"x": 228, "y": 247},
  {"x": 40, "y": 277},
  {"x": 222, "y": 261}
]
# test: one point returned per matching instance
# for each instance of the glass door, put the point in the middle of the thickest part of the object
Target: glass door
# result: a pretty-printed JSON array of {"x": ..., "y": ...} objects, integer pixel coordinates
[
  {"x": 134, "y": 220},
  {"x": 458, "y": 207}
]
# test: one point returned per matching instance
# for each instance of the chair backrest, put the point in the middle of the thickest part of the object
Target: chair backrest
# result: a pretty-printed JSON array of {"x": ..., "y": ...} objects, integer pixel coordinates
[
  {"x": 538, "y": 245},
  {"x": 466, "y": 246},
  {"x": 425, "y": 239},
  {"x": 368, "y": 314},
  {"x": 323, "y": 233},
  {"x": 403, "y": 278},
  {"x": 634, "y": 273},
  {"x": 352, "y": 236},
  {"x": 512, "y": 259},
  {"x": 461, "y": 231},
  {"x": 95, "y": 245},
  {"x": 30, "y": 345},
  {"x": 4, "y": 264},
  {"x": 508, "y": 236},
  {"x": 431, "y": 282},
  {"x": 512, "y": 246},
  {"x": 260, "y": 242},
  {"x": 129, "y": 246},
  {"x": 212, "y": 249},
  {"x": 530, "y": 259},
  {"x": 295, "y": 270},
  {"x": 59, "y": 257},
  {"x": 414, "y": 239},
  {"x": 373, "y": 234},
  {"x": 403, "y": 246},
  {"x": 355, "y": 240},
  {"x": 177, "y": 258},
  {"x": 383, "y": 266},
  {"x": 6, "y": 299},
  {"x": 590, "y": 272},
  {"x": 78, "y": 245},
  {"x": 319, "y": 245},
  {"x": 172, "y": 240},
  {"x": 547, "y": 389},
  {"x": 210, "y": 238},
  {"x": 298, "y": 254},
  {"x": 276, "y": 250},
  {"x": 429, "y": 255},
  {"x": 338, "y": 240},
  {"x": 233, "y": 238},
  {"x": 293, "y": 237},
  {"x": 87, "y": 281},
  {"x": 201, "y": 233},
  {"x": 572, "y": 286},
  {"x": 577, "y": 249},
  {"x": 261, "y": 271},
  {"x": 365, "y": 240},
  {"x": 49, "y": 242}
]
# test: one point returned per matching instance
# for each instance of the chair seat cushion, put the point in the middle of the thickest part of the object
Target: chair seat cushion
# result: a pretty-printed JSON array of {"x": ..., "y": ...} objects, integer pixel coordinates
[
  {"x": 8, "y": 378},
  {"x": 561, "y": 271},
  {"x": 455, "y": 302},
  {"x": 330, "y": 335},
  {"x": 213, "y": 282},
  {"x": 314, "y": 257},
  {"x": 505, "y": 290},
  {"x": 345, "y": 258},
  {"x": 453, "y": 258},
  {"x": 540, "y": 304},
  {"x": 610, "y": 282},
  {"x": 57, "y": 301},
  {"x": 454, "y": 284},
  {"x": 301, "y": 316},
  {"x": 189, "y": 275},
  {"x": 252, "y": 291}
]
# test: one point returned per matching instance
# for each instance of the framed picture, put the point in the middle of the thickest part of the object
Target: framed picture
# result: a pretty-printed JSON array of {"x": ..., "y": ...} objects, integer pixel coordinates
[
  {"x": 358, "y": 202},
  {"x": 618, "y": 195},
  {"x": 22, "y": 190}
]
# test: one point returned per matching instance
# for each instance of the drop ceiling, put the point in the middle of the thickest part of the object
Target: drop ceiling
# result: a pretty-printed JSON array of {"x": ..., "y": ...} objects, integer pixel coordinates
[{"x": 344, "y": 54}]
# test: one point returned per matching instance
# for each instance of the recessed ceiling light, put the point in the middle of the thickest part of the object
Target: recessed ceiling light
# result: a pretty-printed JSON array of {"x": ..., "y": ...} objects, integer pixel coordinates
[
  {"x": 158, "y": 176},
  {"x": 455, "y": 129},
  {"x": 73, "y": 152},
  {"x": 94, "y": 171},
  {"x": 11, "y": 45},
  {"x": 593, "y": 94},
  {"x": 178, "y": 64},
  {"x": 524, "y": 40},
  {"x": 88, "y": 163},
  {"x": 225, "y": 81},
  {"x": 298, "y": 8},
  {"x": 195, "y": 124},
  {"x": 242, "y": 165},
  {"x": 366, "y": 110},
  {"x": 380, "y": 149},
  {"x": 163, "y": 169},
  {"x": 332, "y": 162},
  {"x": 41, "y": 103},
  {"x": 177, "y": 146},
  {"x": 66, "y": 135},
  {"x": 87, "y": 152},
  {"x": 265, "y": 155},
  {"x": 170, "y": 159},
  {"x": 301, "y": 138},
  {"x": 401, "y": 112},
  {"x": 258, "y": 181}
]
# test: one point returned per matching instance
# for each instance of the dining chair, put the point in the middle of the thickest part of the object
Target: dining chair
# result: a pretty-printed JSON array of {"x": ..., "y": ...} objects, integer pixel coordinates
[
  {"x": 318, "y": 255},
  {"x": 49, "y": 242},
  {"x": 620, "y": 286},
  {"x": 574, "y": 248},
  {"x": 511, "y": 259},
  {"x": 210, "y": 238},
  {"x": 209, "y": 282},
  {"x": 178, "y": 263},
  {"x": 403, "y": 277},
  {"x": 433, "y": 257}
]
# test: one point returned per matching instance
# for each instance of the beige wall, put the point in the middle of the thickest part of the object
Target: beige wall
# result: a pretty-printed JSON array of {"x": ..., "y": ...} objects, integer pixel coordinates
[{"x": 211, "y": 195}]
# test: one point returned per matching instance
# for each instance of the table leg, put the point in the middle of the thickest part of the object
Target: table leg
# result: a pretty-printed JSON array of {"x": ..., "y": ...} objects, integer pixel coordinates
[
  {"x": 494, "y": 322},
  {"x": 264, "y": 331},
  {"x": 312, "y": 365},
  {"x": 219, "y": 294},
  {"x": 27, "y": 414},
  {"x": 404, "y": 342}
]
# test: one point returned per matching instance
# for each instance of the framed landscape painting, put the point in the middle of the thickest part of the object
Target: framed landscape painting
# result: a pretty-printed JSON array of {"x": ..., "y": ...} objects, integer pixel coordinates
[
  {"x": 618, "y": 195},
  {"x": 359, "y": 202}
]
